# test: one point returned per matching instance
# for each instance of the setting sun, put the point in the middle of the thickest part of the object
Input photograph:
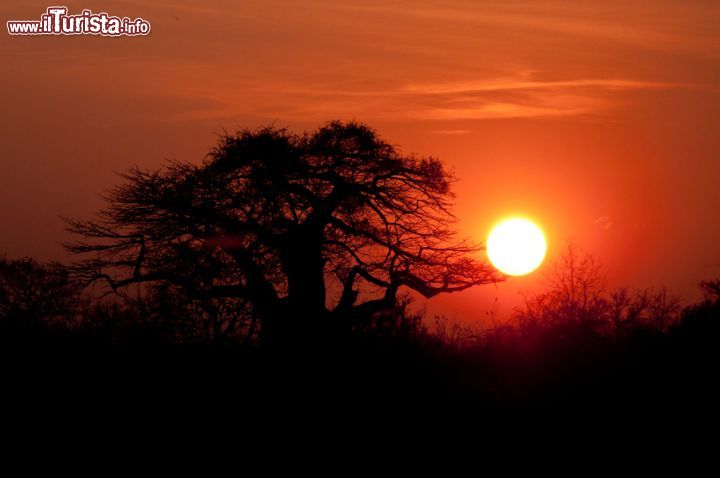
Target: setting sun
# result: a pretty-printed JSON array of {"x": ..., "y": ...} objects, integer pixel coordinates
[{"x": 516, "y": 246}]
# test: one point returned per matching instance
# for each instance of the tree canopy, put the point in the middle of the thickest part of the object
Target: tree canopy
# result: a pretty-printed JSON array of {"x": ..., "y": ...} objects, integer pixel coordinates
[{"x": 302, "y": 228}]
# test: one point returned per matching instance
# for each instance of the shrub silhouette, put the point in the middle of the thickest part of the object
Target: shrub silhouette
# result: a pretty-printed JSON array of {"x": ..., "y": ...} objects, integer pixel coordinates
[
  {"x": 576, "y": 295},
  {"x": 34, "y": 294}
]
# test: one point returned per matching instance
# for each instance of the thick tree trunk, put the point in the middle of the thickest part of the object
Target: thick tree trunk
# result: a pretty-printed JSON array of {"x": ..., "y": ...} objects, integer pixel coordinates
[
  {"x": 304, "y": 267},
  {"x": 302, "y": 315}
]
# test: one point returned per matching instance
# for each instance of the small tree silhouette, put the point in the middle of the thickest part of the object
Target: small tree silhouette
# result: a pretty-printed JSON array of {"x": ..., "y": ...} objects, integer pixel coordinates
[
  {"x": 33, "y": 294},
  {"x": 576, "y": 294},
  {"x": 297, "y": 226}
]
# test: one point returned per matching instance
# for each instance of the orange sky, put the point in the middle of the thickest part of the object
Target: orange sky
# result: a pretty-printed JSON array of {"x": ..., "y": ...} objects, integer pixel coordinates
[{"x": 597, "y": 119}]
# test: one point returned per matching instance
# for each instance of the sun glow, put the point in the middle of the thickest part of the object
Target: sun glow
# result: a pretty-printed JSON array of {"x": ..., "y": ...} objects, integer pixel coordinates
[{"x": 516, "y": 246}]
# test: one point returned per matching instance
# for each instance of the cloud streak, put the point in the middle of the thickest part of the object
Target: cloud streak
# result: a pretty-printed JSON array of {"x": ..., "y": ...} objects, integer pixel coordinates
[
  {"x": 507, "y": 84},
  {"x": 506, "y": 97},
  {"x": 523, "y": 97}
]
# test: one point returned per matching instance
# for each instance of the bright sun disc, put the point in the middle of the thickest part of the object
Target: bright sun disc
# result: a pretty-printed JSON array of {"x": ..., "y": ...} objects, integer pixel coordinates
[{"x": 516, "y": 247}]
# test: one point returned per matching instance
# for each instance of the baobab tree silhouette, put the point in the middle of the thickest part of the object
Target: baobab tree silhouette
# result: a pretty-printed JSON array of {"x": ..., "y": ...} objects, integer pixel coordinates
[{"x": 308, "y": 230}]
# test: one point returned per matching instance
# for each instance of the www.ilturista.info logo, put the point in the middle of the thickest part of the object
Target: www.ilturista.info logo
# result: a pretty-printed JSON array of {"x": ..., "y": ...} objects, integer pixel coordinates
[{"x": 56, "y": 21}]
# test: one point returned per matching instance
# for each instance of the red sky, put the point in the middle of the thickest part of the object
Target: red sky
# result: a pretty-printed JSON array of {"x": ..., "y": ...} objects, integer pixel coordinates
[{"x": 597, "y": 119}]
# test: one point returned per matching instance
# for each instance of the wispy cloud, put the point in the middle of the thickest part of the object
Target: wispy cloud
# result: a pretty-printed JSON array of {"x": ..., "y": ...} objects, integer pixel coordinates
[
  {"x": 522, "y": 97},
  {"x": 668, "y": 26},
  {"x": 508, "y": 84},
  {"x": 506, "y": 97},
  {"x": 451, "y": 131},
  {"x": 503, "y": 110},
  {"x": 604, "y": 223}
]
